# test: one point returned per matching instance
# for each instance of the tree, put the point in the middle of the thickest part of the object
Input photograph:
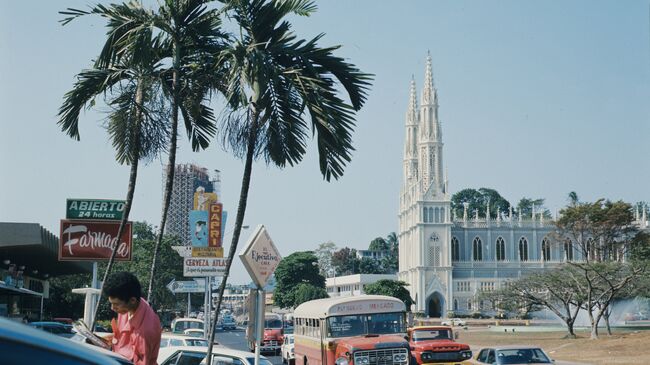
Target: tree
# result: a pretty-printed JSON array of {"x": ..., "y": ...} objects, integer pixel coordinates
[
  {"x": 378, "y": 244},
  {"x": 324, "y": 254},
  {"x": 129, "y": 79},
  {"x": 478, "y": 201},
  {"x": 525, "y": 208},
  {"x": 370, "y": 266},
  {"x": 298, "y": 268},
  {"x": 280, "y": 90},
  {"x": 391, "y": 288},
  {"x": 603, "y": 234},
  {"x": 304, "y": 292},
  {"x": 346, "y": 262},
  {"x": 390, "y": 264}
]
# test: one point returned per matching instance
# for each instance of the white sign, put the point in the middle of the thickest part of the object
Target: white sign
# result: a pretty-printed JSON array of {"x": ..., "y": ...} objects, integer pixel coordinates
[
  {"x": 204, "y": 266},
  {"x": 190, "y": 286},
  {"x": 184, "y": 251},
  {"x": 260, "y": 256}
]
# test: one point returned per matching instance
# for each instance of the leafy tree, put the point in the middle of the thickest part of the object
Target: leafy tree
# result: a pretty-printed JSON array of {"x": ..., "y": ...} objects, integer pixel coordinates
[
  {"x": 370, "y": 266},
  {"x": 279, "y": 91},
  {"x": 298, "y": 268},
  {"x": 346, "y": 262},
  {"x": 62, "y": 302},
  {"x": 478, "y": 200},
  {"x": 378, "y": 244},
  {"x": 525, "y": 208},
  {"x": 390, "y": 264},
  {"x": 324, "y": 254},
  {"x": 304, "y": 292},
  {"x": 391, "y": 288}
]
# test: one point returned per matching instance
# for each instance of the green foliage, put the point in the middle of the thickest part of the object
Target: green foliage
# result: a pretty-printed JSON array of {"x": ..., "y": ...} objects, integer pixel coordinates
[
  {"x": 370, "y": 266},
  {"x": 346, "y": 262},
  {"x": 304, "y": 292},
  {"x": 298, "y": 268},
  {"x": 324, "y": 255},
  {"x": 379, "y": 244},
  {"x": 62, "y": 302},
  {"x": 525, "y": 208},
  {"x": 478, "y": 200},
  {"x": 392, "y": 288}
]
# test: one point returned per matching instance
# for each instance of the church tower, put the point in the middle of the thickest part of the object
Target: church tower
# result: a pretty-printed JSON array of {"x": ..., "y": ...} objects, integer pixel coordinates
[{"x": 425, "y": 221}]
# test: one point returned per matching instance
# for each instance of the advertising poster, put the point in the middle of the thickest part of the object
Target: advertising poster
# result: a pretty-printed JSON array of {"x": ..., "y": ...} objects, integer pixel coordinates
[
  {"x": 199, "y": 228},
  {"x": 202, "y": 200},
  {"x": 83, "y": 240},
  {"x": 215, "y": 230}
]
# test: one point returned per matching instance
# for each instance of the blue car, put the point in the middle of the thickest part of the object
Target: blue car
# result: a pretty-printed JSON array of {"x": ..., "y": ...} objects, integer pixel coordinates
[{"x": 55, "y": 328}]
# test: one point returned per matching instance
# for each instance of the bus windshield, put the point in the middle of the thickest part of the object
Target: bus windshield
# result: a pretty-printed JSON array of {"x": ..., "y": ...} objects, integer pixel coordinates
[{"x": 363, "y": 324}]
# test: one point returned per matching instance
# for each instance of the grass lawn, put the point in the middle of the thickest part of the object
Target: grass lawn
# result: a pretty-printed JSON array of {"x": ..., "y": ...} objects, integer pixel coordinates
[{"x": 620, "y": 348}]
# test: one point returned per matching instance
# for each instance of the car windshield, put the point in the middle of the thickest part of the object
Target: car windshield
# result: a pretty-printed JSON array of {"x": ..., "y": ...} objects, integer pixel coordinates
[
  {"x": 522, "y": 356},
  {"x": 263, "y": 361},
  {"x": 361, "y": 324},
  {"x": 183, "y": 325},
  {"x": 430, "y": 334},
  {"x": 272, "y": 323},
  {"x": 193, "y": 342}
]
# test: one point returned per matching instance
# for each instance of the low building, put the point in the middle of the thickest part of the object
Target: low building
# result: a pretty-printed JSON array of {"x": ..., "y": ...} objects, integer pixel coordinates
[
  {"x": 29, "y": 257},
  {"x": 345, "y": 286}
]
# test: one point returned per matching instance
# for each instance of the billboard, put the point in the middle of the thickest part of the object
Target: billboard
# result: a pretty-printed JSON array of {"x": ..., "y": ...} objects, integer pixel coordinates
[
  {"x": 204, "y": 266},
  {"x": 260, "y": 256},
  {"x": 202, "y": 200},
  {"x": 215, "y": 230},
  {"x": 94, "y": 209},
  {"x": 83, "y": 240},
  {"x": 199, "y": 228}
]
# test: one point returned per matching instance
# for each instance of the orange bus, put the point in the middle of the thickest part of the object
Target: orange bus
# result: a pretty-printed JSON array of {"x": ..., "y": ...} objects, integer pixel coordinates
[{"x": 358, "y": 330}]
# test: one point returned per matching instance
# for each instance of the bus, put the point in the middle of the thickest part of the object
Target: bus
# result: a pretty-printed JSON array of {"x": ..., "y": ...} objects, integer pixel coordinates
[{"x": 357, "y": 330}]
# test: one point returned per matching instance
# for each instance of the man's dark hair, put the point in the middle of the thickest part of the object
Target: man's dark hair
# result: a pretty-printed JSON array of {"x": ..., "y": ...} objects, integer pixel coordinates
[{"x": 123, "y": 286}]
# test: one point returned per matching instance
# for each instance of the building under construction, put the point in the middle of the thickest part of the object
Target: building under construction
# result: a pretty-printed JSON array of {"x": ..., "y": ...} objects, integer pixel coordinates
[{"x": 187, "y": 178}]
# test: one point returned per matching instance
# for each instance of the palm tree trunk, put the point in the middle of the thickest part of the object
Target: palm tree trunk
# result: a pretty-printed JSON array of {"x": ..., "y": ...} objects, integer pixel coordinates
[
  {"x": 171, "y": 169},
  {"x": 133, "y": 175},
  {"x": 241, "y": 210}
]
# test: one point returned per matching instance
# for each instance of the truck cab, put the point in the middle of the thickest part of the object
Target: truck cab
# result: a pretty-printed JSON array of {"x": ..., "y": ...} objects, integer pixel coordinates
[
  {"x": 434, "y": 345},
  {"x": 273, "y": 334}
]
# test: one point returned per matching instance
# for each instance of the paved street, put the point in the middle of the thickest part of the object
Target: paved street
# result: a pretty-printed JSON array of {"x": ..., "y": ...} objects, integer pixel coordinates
[{"x": 236, "y": 339}]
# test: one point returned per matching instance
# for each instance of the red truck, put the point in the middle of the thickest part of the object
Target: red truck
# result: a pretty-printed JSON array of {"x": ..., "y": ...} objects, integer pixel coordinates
[
  {"x": 433, "y": 345},
  {"x": 273, "y": 334}
]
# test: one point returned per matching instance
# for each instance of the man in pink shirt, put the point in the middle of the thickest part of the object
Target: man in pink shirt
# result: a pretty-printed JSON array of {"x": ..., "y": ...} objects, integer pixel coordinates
[{"x": 136, "y": 331}]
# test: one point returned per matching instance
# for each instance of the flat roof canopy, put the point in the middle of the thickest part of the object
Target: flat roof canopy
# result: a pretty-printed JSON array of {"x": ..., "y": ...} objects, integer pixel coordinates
[{"x": 32, "y": 246}]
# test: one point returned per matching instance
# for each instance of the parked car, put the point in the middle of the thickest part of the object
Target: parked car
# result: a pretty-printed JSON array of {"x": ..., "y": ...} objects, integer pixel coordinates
[
  {"x": 194, "y": 332},
  {"x": 181, "y": 324},
  {"x": 55, "y": 328},
  {"x": 195, "y": 355},
  {"x": 21, "y": 344},
  {"x": 454, "y": 322},
  {"x": 287, "y": 350},
  {"x": 512, "y": 355},
  {"x": 169, "y": 339}
]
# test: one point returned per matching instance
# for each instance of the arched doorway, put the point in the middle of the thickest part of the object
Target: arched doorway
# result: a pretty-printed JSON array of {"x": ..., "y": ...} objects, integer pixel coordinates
[{"x": 435, "y": 305}]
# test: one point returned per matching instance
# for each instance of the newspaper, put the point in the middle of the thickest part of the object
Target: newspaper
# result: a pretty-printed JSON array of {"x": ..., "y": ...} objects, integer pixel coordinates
[{"x": 82, "y": 328}]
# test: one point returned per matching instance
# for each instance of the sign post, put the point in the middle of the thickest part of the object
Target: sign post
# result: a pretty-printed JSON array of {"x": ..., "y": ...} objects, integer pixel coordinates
[{"x": 260, "y": 258}]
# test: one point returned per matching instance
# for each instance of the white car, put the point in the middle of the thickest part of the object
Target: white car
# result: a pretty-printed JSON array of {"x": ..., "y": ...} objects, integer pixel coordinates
[
  {"x": 287, "y": 350},
  {"x": 195, "y": 355},
  {"x": 454, "y": 322},
  {"x": 168, "y": 339},
  {"x": 181, "y": 324}
]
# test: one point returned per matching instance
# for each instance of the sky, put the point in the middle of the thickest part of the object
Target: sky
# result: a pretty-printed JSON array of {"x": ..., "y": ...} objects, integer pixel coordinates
[{"x": 537, "y": 99}]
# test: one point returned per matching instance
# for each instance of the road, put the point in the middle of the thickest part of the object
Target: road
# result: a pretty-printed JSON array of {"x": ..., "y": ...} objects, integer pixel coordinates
[{"x": 236, "y": 339}]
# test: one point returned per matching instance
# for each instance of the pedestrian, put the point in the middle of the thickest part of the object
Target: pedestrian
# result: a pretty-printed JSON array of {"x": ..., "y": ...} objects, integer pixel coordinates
[{"x": 136, "y": 330}]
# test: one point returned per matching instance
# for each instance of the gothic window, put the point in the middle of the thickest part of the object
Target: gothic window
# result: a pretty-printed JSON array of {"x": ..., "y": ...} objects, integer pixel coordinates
[
  {"x": 501, "y": 249},
  {"x": 455, "y": 249},
  {"x": 425, "y": 213},
  {"x": 442, "y": 215},
  {"x": 430, "y": 215},
  {"x": 435, "y": 251},
  {"x": 437, "y": 215},
  {"x": 523, "y": 249},
  {"x": 455, "y": 304},
  {"x": 546, "y": 249},
  {"x": 477, "y": 249},
  {"x": 568, "y": 250},
  {"x": 469, "y": 304}
]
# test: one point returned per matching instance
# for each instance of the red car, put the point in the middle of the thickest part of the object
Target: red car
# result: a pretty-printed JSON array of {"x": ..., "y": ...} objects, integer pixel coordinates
[{"x": 436, "y": 345}]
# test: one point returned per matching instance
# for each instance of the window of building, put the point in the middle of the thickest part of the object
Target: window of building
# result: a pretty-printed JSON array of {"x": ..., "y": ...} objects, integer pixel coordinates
[
  {"x": 546, "y": 249},
  {"x": 469, "y": 304},
  {"x": 455, "y": 304},
  {"x": 477, "y": 249},
  {"x": 425, "y": 213},
  {"x": 442, "y": 215},
  {"x": 523, "y": 249},
  {"x": 501, "y": 249},
  {"x": 430, "y": 215},
  {"x": 568, "y": 250},
  {"x": 455, "y": 249},
  {"x": 437, "y": 215}
]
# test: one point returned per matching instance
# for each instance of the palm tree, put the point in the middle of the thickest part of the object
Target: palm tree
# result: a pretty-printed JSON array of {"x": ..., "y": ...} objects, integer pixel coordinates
[
  {"x": 186, "y": 36},
  {"x": 278, "y": 88}
]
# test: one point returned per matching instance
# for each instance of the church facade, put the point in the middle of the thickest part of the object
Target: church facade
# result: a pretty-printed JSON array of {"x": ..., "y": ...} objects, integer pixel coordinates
[{"x": 447, "y": 260}]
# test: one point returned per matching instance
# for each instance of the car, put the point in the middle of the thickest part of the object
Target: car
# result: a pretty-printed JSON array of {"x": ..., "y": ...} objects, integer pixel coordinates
[
  {"x": 454, "y": 322},
  {"x": 169, "y": 339},
  {"x": 195, "y": 355},
  {"x": 194, "y": 332},
  {"x": 179, "y": 325},
  {"x": 56, "y": 328},
  {"x": 287, "y": 350},
  {"x": 436, "y": 344},
  {"x": 21, "y": 344},
  {"x": 513, "y": 355}
]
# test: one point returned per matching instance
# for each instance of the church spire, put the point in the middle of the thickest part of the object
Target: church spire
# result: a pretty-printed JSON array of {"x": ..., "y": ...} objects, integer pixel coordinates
[
  {"x": 429, "y": 92},
  {"x": 411, "y": 113}
]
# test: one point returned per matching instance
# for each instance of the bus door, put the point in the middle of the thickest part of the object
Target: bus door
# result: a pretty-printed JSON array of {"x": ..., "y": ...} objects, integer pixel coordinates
[{"x": 323, "y": 345}]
